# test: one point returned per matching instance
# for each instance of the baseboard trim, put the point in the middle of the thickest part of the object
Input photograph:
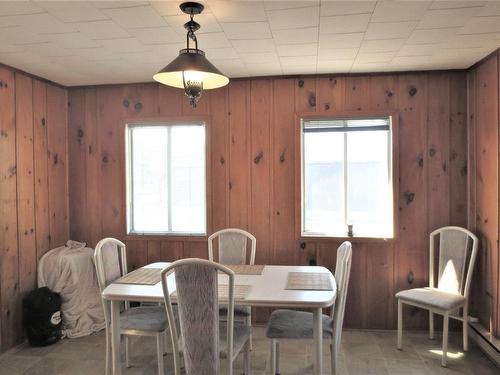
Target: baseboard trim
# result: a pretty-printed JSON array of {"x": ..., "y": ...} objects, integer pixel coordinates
[{"x": 488, "y": 344}]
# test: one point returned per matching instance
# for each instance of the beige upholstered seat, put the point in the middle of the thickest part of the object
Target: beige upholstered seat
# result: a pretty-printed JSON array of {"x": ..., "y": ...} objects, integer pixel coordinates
[
  {"x": 457, "y": 255},
  {"x": 110, "y": 259},
  {"x": 291, "y": 324},
  {"x": 432, "y": 297},
  {"x": 203, "y": 338}
]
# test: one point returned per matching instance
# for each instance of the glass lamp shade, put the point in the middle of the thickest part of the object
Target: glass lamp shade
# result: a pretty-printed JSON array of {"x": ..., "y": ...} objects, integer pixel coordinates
[{"x": 191, "y": 65}]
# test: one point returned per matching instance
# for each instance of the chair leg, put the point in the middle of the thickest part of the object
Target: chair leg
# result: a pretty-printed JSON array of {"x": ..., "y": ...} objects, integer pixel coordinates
[
  {"x": 246, "y": 358},
  {"x": 159, "y": 350},
  {"x": 165, "y": 342},
  {"x": 277, "y": 357},
  {"x": 273, "y": 356},
  {"x": 400, "y": 325},
  {"x": 465, "y": 315},
  {"x": 127, "y": 352},
  {"x": 249, "y": 324},
  {"x": 431, "y": 325},
  {"x": 334, "y": 358},
  {"x": 108, "y": 350},
  {"x": 445, "y": 339}
]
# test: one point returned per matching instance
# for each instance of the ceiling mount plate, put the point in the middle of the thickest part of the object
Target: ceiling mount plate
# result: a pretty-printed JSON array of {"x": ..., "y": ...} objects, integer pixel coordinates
[{"x": 191, "y": 7}]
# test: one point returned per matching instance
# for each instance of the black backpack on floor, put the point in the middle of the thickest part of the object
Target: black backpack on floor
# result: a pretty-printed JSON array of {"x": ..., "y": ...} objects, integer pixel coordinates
[{"x": 42, "y": 317}]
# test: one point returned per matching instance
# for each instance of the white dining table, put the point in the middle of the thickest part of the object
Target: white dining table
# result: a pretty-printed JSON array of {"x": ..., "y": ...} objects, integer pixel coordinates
[{"x": 267, "y": 290}]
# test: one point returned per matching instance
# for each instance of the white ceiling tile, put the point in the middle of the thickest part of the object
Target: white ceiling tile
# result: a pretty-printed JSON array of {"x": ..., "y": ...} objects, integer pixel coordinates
[
  {"x": 337, "y": 54},
  {"x": 388, "y": 30},
  {"x": 19, "y": 35},
  {"x": 141, "y": 16},
  {"x": 118, "y": 4},
  {"x": 298, "y": 60},
  {"x": 213, "y": 40},
  {"x": 262, "y": 70},
  {"x": 419, "y": 50},
  {"x": 297, "y": 69},
  {"x": 101, "y": 29},
  {"x": 168, "y": 8},
  {"x": 481, "y": 25},
  {"x": 358, "y": 67},
  {"x": 238, "y": 11},
  {"x": 12, "y": 8},
  {"x": 277, "y": 5},
  {"x": 207, "y": 22},
  {"x": 9, "y": 49},
  {"x": 254, "y": 46},
  {"x": 49, "y": 50},
  {"x": 296, "y": 36},
  {"x": 337, "y": 8},
  {"x": 375, "y": 57},
  {"x": 260, "y": 58},
  {"x": 437, "y": 19},
  {"x": 299, "y": 18},
  {"x": 354, "y": 23},
  {"x": 74, "y": 40},
  {"x": 74, "y": 11},
  {"x": 93, "y": 54},
  {"x": 474, "y": 40},
  {"x": 124, "y": 45},
  {"x": 246, "y": 30},
  {"x": 340, "y": 40},
  {"x": 393, "y": 11},
  {"x": 335, "y": 66},
  {"x": 297, "y": 49},
  {"x": 42, "y": 23},
  {"x": 157, "y": 35},
  {"x": 491, "y": 8},
  {"x": 431, "y": 35},
  {"x": 221, "y": 53},
  {"x": 447, "y": 4},
  {"x": 382, "y": 45}
]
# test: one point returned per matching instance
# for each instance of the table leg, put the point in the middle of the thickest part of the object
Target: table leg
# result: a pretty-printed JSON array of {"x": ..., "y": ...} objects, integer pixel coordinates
[
  {"x": 115, "y": 337},
  {"x": 318, "y": 339}
]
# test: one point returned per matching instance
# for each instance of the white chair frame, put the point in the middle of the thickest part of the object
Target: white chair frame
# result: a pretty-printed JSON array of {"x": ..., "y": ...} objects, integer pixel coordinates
[
  {"x": 447, "y": 314},
  {"x": 253, "y": 247},
  {"x": 101, "y": 279},
  {"x": 336, "y": 312},
  {"x": 230, "y": 322}
]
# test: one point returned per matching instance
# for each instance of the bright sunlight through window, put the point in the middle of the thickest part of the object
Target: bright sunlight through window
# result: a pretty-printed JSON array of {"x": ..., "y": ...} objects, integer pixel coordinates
[
  {"x": 347, "y": 177},
  {"x": 166, "y": 179}
]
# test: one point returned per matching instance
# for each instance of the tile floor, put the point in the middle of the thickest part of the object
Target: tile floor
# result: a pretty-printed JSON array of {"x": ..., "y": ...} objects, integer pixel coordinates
[{"x": 363, "y": 352}]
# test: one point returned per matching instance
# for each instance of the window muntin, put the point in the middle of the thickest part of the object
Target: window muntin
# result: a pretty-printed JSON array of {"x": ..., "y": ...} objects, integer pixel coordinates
[
  {"x": 347, "y": 177},
  {"x": 166, "y": 179}
]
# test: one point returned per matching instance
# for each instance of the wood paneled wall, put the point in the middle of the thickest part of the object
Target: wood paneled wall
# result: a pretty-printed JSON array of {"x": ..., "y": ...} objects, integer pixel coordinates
[
  {"x": 484, "y": 163},
  {"x": 254, "y": 171},
  {"x": 33, "y": 188}
]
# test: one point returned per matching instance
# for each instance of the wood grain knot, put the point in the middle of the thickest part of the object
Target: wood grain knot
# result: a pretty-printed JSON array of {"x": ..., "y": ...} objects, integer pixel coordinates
[
  {"x": 301, "y": 83},
  {"x": 463, "y": 171},
  {"x": 282, "y": 157},
  {"x": 411, "y": 277},
  {"x": 327, "y": 107},
  {"x": 432, "y": 152},
  {"x": 302, "y": 245},
  {"x": 222, "y": 160},
  {"x": 56, "y": 159},
  {"x": 12, "y": 170},
  {"x": 420, "y": 161},
  {"x": 80, "y": 133},
  {"x": 389, "y": 94},
  {"x": 105, "y": 159},
  {"x": 3, "y": 134},
  {"x": 138, "y": 107},
  {"x": 1, "y": 83},
  {"x": 230, "y": 185},
  {"x": 126, "y": 103},
  {"x": 43, "y": 121},
  {"x": 312, "y": 261},
  {"x": 312, "y": 100},
  {"x": 258, "y": 158},
  {"x": 409, "y": 197},
  {"x": 412, "y": 91}
]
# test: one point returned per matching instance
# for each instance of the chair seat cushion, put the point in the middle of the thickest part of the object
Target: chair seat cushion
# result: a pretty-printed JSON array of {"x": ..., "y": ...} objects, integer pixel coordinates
[
  {"x": 290, "y": 324},
  {"x": 239, "y": 311},
  {"x": 241, "y": 334},
  {"x": 432, "y": 297},
  {"x": 144, "y": 318}
]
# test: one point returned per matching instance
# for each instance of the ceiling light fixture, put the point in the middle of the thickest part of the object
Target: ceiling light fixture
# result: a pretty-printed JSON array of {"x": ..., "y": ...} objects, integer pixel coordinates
[{"x": 191, "y": 70}]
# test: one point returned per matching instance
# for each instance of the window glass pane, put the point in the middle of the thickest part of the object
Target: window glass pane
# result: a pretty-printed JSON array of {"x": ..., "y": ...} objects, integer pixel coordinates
[
  {"x": 323, "y": 182},
  {"x": 188, "y": 179},
  {"x": 149, "y": 179},
  {"x": 369, "y": 189}
]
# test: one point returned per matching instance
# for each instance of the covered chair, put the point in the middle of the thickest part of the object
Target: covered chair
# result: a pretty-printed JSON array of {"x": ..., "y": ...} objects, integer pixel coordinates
[
  {"x": 232, "y": 249},
  {"x": 457, "y": 255},
  {"x": 290, "y": 324},
  {"x": 203, "y": 340},
  {"x": 110, "y": 260}
]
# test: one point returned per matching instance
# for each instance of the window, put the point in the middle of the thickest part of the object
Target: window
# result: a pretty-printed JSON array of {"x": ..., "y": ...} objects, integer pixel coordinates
[
  {"x": 347, "y": 177},
  {"x": 166, "y": 179}
]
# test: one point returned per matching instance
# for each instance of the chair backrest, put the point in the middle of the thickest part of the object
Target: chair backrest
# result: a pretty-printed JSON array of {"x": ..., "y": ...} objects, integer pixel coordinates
[
  {"x": 457, "y": 248},
  {"x": 232, "y": 243},
  {"x": 110, "y": 260},
  {"x": 195, "y": 282},
  {"x": 342, "y": 273}
]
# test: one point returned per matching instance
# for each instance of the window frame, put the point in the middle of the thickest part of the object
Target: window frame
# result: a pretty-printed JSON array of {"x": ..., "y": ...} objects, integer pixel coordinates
[
  {"x": 166, "y": 121},
  {"x": 393, "y": 123}
]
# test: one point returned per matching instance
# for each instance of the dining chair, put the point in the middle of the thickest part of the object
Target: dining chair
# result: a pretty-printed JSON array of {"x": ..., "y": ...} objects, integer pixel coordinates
[
  {"x": 203, "y": 339},
  {"x": 232, "y": 249},
  {"x": 291, "y": 324},
  {"x": 457, "y": 255},
  {"x": 110, "y": 260}
]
